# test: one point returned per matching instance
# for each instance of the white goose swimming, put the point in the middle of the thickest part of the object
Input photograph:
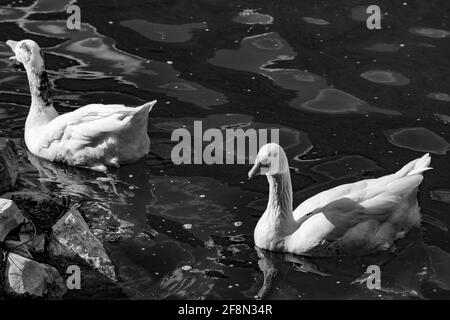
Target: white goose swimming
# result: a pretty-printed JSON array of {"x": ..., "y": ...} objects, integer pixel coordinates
[
  {"x": 352, "y": 219},
  {"x": 94, "y": 136}
]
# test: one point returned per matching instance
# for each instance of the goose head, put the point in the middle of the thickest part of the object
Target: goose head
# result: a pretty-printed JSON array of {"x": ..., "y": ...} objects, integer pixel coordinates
[
  {"x": 28, "y": 53},
  {"x": 271, "y": 160}
]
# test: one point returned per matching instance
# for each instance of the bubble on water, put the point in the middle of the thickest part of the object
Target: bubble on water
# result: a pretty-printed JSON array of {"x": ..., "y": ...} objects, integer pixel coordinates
[
  {"x": 443, "y": 117},
  {"x": 238, "y": 223},
  {"x": 186, "y": 268},
  {"x": 181, "y": 86},
  {"x": 187, "y": 226}
]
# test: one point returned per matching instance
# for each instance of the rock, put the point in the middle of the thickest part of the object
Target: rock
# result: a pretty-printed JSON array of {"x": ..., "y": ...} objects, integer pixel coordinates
[
  {"x": 30, "y": 278},
  {"x": 10, "y": 217},
  {"x": 41, "y": 208},
  {"x": 17, "y": 247},
  {"x": 9, "y": 166},
  {"x": 38, "y": 243},
  {"x": 34, "y": 242},
  {"x": 71, "y": 237}
]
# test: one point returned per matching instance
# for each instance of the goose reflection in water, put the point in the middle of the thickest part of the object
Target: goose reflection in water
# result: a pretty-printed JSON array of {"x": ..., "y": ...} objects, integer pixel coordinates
[
  {"x": 79, "y": 183},
  {"x": 408, "y": 272}
]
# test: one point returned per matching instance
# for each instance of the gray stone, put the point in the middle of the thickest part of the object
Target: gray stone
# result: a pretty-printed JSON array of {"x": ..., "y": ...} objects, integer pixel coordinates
[
  {"x": 27, "y": 277},
  {"x": 34, "y": 242},
  {"x": 38, "y": 243},
  {"x": 9, "y": 166},
  {"x": 10, "y": 217},
  {"x": 71, "y": 237},
  {"x": 18, "y": 247}
]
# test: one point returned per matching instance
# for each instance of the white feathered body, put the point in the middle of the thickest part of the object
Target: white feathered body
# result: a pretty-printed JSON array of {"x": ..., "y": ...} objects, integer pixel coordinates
[
  {"x": 94, "y": 136},
  {"x": 352, "y": 219}
]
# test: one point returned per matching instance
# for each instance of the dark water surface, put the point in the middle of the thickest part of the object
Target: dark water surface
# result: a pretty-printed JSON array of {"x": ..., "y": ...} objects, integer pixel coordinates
[{"x": 351, "y": 103}]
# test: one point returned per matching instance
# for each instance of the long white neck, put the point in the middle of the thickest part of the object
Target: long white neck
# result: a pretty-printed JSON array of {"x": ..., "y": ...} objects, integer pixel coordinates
[
  {"x": 41, "y": 109},
  {"x": 279, "y": 207}
]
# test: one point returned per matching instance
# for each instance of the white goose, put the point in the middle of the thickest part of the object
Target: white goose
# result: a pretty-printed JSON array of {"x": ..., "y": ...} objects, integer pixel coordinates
[
  {"x": 94, "y": 136},
  {"x": 352, "y": 219}
]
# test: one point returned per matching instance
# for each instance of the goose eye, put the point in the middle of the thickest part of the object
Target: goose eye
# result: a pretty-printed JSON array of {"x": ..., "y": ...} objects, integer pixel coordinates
[{"x": 25, "y": 48}]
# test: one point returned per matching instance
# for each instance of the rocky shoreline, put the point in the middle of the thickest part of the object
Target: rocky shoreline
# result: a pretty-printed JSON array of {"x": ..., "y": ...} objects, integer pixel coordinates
[{"x": 45, "y": 242}]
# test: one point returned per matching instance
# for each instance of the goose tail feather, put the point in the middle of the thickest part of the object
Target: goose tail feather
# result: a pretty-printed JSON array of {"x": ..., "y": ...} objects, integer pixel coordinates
[
  {"x": 416, "y": 166},
  {"x": 147, "y": 106}
]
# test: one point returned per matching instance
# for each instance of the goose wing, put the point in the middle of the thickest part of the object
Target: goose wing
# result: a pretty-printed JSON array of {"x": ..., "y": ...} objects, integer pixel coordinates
[
  {"x": 356, "y": 189},
  {"x": 90, "y": 123},
  {"x": 345, "y": 206}
]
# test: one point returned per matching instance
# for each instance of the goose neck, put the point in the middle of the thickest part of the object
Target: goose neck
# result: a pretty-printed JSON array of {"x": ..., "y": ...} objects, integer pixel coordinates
[
  {"x": 280, "y": 195},
  {"x": 42, "y": 110}
]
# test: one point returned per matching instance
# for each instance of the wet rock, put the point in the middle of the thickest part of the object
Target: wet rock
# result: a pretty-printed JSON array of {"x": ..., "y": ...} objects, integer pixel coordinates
[
  {"x": 34, "y": 242},
  {"x": 8, "y": 165},
  {"x": 25, "y": 277},
  {"x": 10, "y": 217},
  {"x": 43, "y": 210},
  {"x": 38, "y": 243},
  {"x": 104, "y": 225},
  {"x": 71, "y": 237},
  {"x": 17, "y": 247}
]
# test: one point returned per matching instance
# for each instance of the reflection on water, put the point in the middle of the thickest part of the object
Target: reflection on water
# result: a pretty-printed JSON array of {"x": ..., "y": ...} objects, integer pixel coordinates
[
  {"x": 260, "y": 53},
  {"x": 164, "y": 32},
  {"x": 418, "y": 139},
  {"x": 318, "y": 21},
  {"x": 349, "y": 105},
  {"x": 92, "y": 53},
  {"x": 430, "y": 32},
  {"x": 346, "y": 166},
  {"x": 337, "y": 101},
  {"x": 443, "y": 117},
  {"x": 295, "y": 142},
  {"x": 403, "y": 275},
  {"x": 385, "y": 77},
  {"x": 384, "y": 47},
  {"x": 95, "y": 52},
  {"x": 80, "y": 183},
  {"x": 441, "y": 195},
  {"x": 359, "y": 13},
  {"x": 250, "y": 16},
  {"x": 439, "y": 96}
]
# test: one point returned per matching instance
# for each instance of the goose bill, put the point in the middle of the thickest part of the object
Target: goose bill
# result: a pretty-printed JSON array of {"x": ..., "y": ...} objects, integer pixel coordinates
[
  {"x": 254, "y": 171},
  {"x": 12, "y": 44}
]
